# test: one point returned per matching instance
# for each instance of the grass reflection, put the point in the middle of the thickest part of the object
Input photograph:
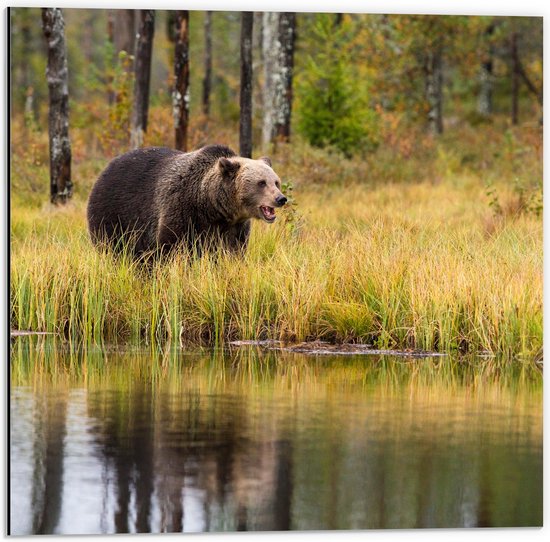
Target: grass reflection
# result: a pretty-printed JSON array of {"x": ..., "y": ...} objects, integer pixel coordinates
[
  {"x": 43, "y": 359},
  {"x": 249, "y": 439}
]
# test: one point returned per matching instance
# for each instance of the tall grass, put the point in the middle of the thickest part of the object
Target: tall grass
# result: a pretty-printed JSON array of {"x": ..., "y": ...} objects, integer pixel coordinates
[
  {"x": 423, "y": 244},
  {"x": 396, "y": 266}
]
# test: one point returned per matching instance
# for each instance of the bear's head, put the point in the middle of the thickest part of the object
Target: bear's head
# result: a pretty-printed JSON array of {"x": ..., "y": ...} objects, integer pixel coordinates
[{"x": 257, "y": 186}]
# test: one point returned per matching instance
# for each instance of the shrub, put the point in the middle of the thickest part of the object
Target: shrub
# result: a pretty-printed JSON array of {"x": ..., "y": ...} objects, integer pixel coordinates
[{"x": 331, "y": 105}]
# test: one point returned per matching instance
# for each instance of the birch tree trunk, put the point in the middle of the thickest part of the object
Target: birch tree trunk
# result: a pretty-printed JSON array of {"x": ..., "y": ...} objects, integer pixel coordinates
[
  {"x": 283, "y": 97},
  {"x": 207, "y": 81},
  {"x": 279, "y": 33},
  {"x": 486, "y": 79},
  {"x": 57, "y": 75},
  {"x": 245, "y": 125},
  {"x": 257, "y": 60},
  {"x": 180, "y": 94},
  {"x": 258, "y": 34},
  {"x": 142, "y": 73},
  {"x": 433, "y": 69},
  {"x": 26, "y": 75},
  {"x": 271, "y": 47},
  {"x": 23, "y": 82},
  {"x": 485, "y": 99}
]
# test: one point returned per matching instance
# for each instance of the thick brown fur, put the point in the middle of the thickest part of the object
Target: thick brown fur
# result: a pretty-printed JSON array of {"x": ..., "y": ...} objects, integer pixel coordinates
[{"x": 154, "y": 199}]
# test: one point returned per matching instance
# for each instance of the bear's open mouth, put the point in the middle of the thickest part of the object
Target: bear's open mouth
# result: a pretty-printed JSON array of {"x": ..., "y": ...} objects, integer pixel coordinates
[{"x": 268, "y": 212}]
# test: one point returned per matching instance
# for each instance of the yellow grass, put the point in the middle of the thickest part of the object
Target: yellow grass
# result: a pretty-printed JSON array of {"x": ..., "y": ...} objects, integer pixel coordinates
[
  {"x": 424, "y": 244},
  {"x": 398, "y": 266}
]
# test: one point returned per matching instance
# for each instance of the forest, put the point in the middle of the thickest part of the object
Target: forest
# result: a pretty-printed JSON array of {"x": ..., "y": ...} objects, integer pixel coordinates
[{"x": 410, "y": 148}]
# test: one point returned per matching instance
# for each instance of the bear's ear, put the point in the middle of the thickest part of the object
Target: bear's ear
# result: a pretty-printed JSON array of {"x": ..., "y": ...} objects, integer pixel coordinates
[
  {"x": 228, "y": 167},
  {"x": 266, "y": 159}
]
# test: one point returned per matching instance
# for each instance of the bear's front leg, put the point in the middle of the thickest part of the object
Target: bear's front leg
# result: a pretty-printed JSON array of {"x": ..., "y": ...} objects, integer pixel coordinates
[{"x": 236, "y": 238}]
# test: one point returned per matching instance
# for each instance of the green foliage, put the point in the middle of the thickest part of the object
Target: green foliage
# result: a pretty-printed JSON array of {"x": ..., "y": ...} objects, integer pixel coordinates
[
  {"x": 27, "y": 59},
  {"x": 492, "y": 196},
  {"x": 292, "y": 218},
  {"x": 529, "y": 198},
  {"x": 345, "y": 70},
  {"x": 523, "y": 192},
  {"x": 225, "y": 97},
  {"x": 524, "y": 199},
  {"x": 332, "y": 108}
]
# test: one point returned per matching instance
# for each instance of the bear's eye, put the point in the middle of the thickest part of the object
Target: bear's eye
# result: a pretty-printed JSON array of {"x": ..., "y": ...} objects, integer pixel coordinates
[
  {"x": 262, "y": 183},
  {"x": 278, "y": 184}
]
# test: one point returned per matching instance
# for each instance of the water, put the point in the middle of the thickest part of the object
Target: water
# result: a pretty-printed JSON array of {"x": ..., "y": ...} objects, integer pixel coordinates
[{"x": 164, "y": 441}]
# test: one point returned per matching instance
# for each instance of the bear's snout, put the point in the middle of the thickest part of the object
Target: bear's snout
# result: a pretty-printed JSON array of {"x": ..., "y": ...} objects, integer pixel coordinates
[{"x": 280, "y": 200}]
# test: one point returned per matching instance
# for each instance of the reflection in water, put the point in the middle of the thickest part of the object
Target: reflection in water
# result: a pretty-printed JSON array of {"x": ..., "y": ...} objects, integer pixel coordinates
[{"x": 136, "y": 441}]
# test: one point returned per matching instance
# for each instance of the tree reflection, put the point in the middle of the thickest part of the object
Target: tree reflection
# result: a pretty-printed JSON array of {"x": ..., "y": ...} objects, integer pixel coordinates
[
  {"x": 126, "y": 436},
  {"x": 48, "y": 462},
  {"x": 172, "y": 446},
  {"x": 244, "y": 445}
]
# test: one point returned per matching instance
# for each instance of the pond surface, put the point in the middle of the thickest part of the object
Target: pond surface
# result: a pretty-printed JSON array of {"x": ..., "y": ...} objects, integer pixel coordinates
[{"x": 106, "y": 441}]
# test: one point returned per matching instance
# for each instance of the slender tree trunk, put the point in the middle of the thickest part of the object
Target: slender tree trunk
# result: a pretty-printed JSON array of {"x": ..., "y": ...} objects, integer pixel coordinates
[
  {"x": 485, "y": 100},
  {"x": 515, "y": 77},
  {"x": 122, "y": 28},
  {"x": 486, "y": 79},
  {"x": 271, "y": 47},
  {"x": 87, "y": 37},
  {"x": 110, "y": 69},
  {"x": 142, "y": 71},
  {"x": 23, "y": 83},
  {"x": 180, "y": 95},
  {"x": 207, "y": 81},
  {"x": 257, "y": 60},
  {"x": 245, "y": 127},
  {"x": 433, "y": 69},
  {"x": 125, "y": 26},
  {"x": 287, "y": 36},
  {"x": 171, "y": 26},
  {"x": 29, "y": 107},
  {"x": 57, "y": 75},
  {"x": 258, "y": 34},
  {"x": 26, "y": 79}
]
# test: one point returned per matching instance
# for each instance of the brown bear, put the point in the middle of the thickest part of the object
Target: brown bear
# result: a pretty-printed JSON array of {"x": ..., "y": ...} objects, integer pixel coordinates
[{"x": 153, "y": 199}]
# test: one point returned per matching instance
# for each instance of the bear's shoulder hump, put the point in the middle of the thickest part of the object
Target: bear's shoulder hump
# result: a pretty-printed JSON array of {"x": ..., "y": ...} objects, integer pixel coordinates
[{"x": 217, "y": 151}]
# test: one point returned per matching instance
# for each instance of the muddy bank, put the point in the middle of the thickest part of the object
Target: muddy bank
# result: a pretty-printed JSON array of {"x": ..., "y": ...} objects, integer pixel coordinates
[{"x": 325, "y": 348}]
